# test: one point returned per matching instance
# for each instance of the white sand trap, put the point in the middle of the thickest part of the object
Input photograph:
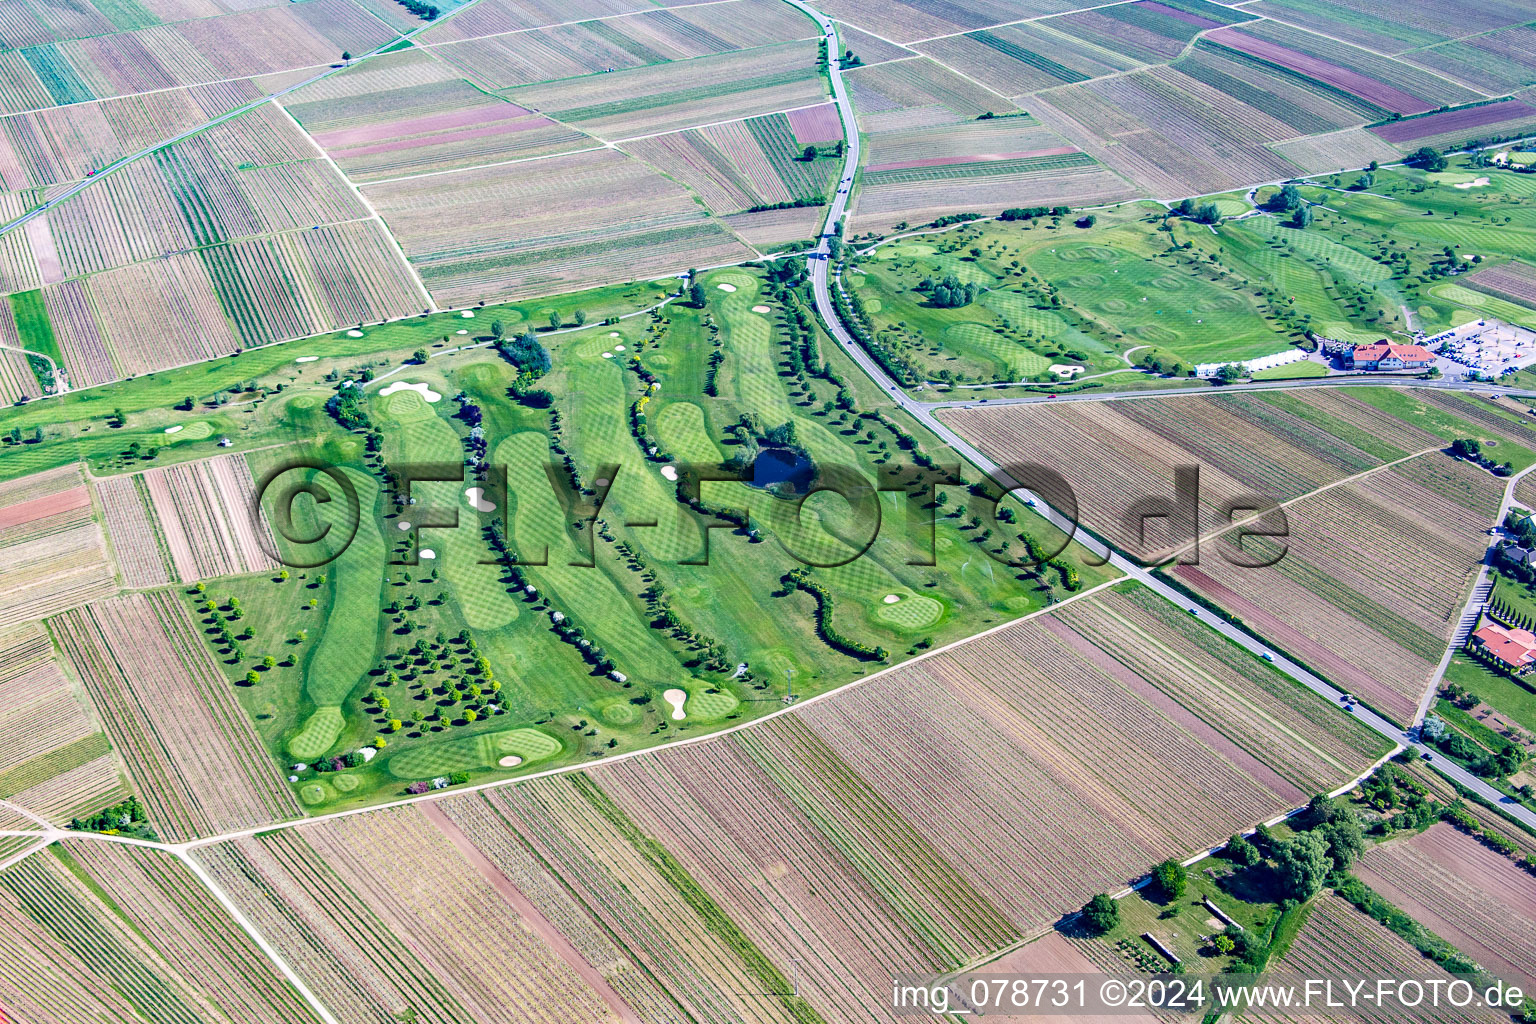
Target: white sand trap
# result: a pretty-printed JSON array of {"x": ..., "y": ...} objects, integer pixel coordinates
[
  {"x": 602, "y": 481},
  {"x": 426, "y": 553},
  {"x": 420, "y": 389},
  {"x": 510, "y": 761},
  {"x": 607, "y": 355},
  {"x": 892, "y": 598},
  {"x": 403, "y": 525},
  {"x": 1476, "y": 182},
  {"x": 614, "y": 334},
  {"x": 726, "y": 287},
  {"x": 676, "y": 698},
  {"x": 461, "y": 332},
  {"x": 669, "y": 472},
  {"x": 618, "y": 348},
  {"x": 1062, "y": 370},
  {"x": 173, "y": 430},
  {"x": 761, "y": 309},
  {"x": 306, "y": 359},
  {"x": 468, "y": 314},
  {"x": 354, "y": 333},
  {"x": 476, "y": 496}
]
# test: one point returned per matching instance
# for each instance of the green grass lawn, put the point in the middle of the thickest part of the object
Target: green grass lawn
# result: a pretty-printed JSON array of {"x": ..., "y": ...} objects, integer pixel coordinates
[
  {"x": 409, "y": 626},
  {"x": 1293, "y": 371},
  {"x": 1508, "y": 696}
]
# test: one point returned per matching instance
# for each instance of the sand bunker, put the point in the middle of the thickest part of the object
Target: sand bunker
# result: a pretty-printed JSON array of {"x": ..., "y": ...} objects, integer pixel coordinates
[
  {"x": 618, "y": 348},
  {"x": 510, "y": 761},
  {"x": 669, "y": 472},
  {"x": 306, "y": 359},
  {"x": 467, "y": 314},
  {"x": 426, "y": 553},
  {"x": 420, "y": 389},
  {"x": 174, "y": 430},
  {"x": 726, "y": 287},
  {"x": 461, "y": 332},
  {"x": 602, "y": 481},
  {"x": 614, "y": 334},
  {"x": 403, "y": 525},
  {"x": 761, "y": 309},
  {"x": 607, "y": 355},
  {"x": 676, "y": 698},
  {"x": 892, "y": 598},
  {"x": 1476, "y": 182},
  {"x": 1062, "y": 370},
  {"x": 354, "y": 333},
  {"x": 476, "y": 496}
]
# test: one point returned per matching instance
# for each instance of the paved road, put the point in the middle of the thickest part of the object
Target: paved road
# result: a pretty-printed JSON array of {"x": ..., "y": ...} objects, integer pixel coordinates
[
  {"x": 1213, "y": 389},
  {"x": 819, "y": 266}
]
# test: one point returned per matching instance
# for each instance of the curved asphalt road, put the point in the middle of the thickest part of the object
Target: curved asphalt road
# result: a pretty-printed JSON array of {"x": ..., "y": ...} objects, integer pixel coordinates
[{"x": 818, "y": 263}]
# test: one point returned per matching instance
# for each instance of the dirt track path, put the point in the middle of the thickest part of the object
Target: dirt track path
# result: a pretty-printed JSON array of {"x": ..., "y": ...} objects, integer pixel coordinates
[{"x": 529, "y": 913}]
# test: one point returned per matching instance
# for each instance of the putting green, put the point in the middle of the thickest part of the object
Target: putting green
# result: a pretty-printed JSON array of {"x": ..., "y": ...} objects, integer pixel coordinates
[
  {"x": 473, "y": 752},
  {"x": 196, "y": 431},
  {"x": 620, "y": 712},
  {"x": 318, "y": 734},
  {"x": 316, "y": 793},
  {"x": 913, "y": 611},
  {"x": 345, "y": 783},
  {"x": 711, "y": 705}
]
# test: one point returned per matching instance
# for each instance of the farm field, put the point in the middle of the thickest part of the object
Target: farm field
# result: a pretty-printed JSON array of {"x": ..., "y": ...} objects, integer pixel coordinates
[
  {"x": 508, "y": 59},
  {"x": 498, "y": 233},
  {"x": 55, "y": 763},
  {"x": 1330, "y": 596},
  {"x": 1339, "y": 938},
  {"x": 191, "y": 754},
  {"x": 52, "y": 554},
  {"x": 1475, "y": 898},
  {"x": 840, "y": 790},
  {"x": 404, "y": 114},
  {"x": 681, "y": 94},
  {"x": 74, "y": 953},
  {"x": 198, "y": 511}
]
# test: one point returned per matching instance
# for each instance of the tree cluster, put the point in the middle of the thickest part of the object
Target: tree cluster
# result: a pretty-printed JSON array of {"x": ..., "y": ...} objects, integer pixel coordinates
[{"x": 947, "y": 293}]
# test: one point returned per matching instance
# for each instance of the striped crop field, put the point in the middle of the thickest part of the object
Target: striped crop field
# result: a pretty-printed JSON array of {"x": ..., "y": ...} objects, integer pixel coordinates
[
  {"x": 51, "y": 549},
  {"x": 1145, "y": 30},
  {"x": 1339, "y": 939},
  {"x": 1472, "y": 896},
  {"x": 459, "y": 919},
  {"x": 50, "y": 747},
  {"x": 159, "y": 897},
  {"x": 681, "y": 94},
  {"x": 866, "y": 873},
  {"x": 1015, "y": 59},
  {"x": 434, "y": 126},
  {"x": 532, "y": 229},
  {"x": 1389, "y": 84},
  {"x": 203, "y": 513},
  {"x": 568, "y": 50},
  {"x": 72, "y": 953},
  {"x": 192, "y": 753}
]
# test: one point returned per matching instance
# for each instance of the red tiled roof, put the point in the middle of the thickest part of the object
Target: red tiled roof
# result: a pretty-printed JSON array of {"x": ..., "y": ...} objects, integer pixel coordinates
[
  {"x": 1384, "y": 349},
  {"x": 1515, "y": 647}
]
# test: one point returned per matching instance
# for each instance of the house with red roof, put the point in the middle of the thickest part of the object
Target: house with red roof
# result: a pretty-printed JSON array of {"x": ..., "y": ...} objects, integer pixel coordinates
[
  {"x": 1514, "y": 647},
  {"x": 1383, "y": 355}
]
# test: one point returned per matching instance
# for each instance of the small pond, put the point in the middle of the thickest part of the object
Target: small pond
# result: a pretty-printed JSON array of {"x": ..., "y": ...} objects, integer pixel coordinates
[{"x": 782, "y": 466}]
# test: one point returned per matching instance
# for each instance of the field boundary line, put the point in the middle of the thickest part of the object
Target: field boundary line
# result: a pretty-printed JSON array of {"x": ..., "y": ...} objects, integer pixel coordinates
[
  {"x": 250, "y": 929},
  {"x": 648, "y": 751},
  {"x": 1215, "y": 533},
  {"x": 394, "y": 242}
]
